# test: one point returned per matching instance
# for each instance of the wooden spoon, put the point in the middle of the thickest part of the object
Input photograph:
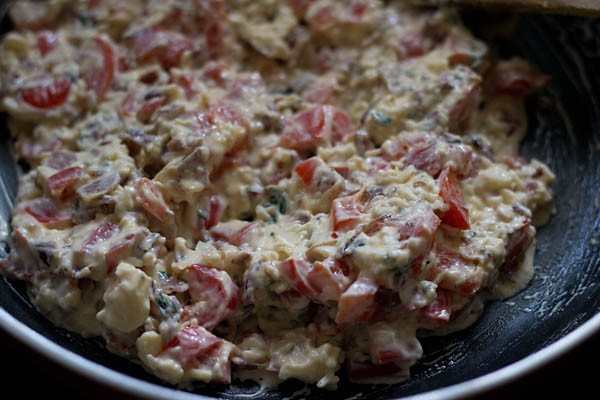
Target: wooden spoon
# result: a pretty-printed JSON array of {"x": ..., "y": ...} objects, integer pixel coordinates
[{"x": 573, "y": 7}]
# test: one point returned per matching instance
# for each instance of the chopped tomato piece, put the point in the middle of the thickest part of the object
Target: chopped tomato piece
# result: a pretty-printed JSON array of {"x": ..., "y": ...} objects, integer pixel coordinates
[
  {"x": 118, "y": 252},
  {"x": 214, "y": 39},
  {"x": 413, "y": 44},
  {"x": 466, "y": 105},
  {"x": 99, "y": 186},
  {"x": 46, "y": 42},
  {"x": 152, "y": 200},
  {"x": 457, "y": 214},
  {"x": 311, "y": 126},
  {"x": 46, "y": 93},
  {"x": 226, "y": 112},
  {"x": 193, "y": 342},
  {"x": 306, "y": 169},
  {"x": 454, "y": 272},
  {"x": 129, "y": 103},
  {"x": 62, "y": 183},
  {"x": 424, "y": 157},
  {"x": 295, "y": 273},
  {"x": 105, "y": 230},
  {"x": 60, "y": 159},
  {"x": 438, "y": 312},
  {"x": 518, "y": 243},
  {"x": 99, "y": 78},
  {"x": 328, "y": 280},
  {"x": 46, "y": 212},
  {"x": 516, "y": 78},
  {"x": 162, "y": 45},
  {"x": 234, "y": 234},
  {"x": 345, "y": 214},
  {"x": 215, "y": 211},
  {"x": 357, "y": 303},
  {"x": 215, "y": 296},
  {"x": 147, "y": 110}
]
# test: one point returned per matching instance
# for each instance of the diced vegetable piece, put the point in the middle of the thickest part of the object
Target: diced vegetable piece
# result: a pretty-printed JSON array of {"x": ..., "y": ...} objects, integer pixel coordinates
[
  {"x": 345, "y": 214},
  {"x": 46, "y": 93},
  {"x": 99, "y": 186},
  {"x": 311, "y": 126},
  {"x": 161, "y": 45},
  {"x": 62, "y": 183},
  {"x": 424, "y": 156},
  {"x": 215, "y": 296},
  {"x": 147, "y": 110},
  {"x": 46, "y": 42},
  {"x": 327, "y": 279},
  {"x": 193, "y": 341},
  {"x": 152, "y": 200},
  {"x": 357, "y": 303},
  {"x": 518, "y": 243},
  {"x": 438, "y": 312},
  {"x": 306, "y": 169},
  {"x": 235, "y": 234},
  {"x": 46, "y": 212},
  {"x": 99, "y": 78},
  {"x": 457, "y": 214},
  {"x": 118, "y": 252},
  {"x": 104, "y": 231}
]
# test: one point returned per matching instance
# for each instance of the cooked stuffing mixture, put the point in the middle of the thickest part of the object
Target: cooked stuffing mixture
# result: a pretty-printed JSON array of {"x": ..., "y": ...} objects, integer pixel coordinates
[{"x": 282, "y": 187}]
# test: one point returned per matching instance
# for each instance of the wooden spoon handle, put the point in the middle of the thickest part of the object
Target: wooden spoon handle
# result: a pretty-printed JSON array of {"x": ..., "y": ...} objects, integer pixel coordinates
[{"x": 575, "y": 7}]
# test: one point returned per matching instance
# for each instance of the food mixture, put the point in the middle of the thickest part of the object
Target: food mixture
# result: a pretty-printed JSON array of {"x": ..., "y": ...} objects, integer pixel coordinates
[{"x": 266, "y": 188}]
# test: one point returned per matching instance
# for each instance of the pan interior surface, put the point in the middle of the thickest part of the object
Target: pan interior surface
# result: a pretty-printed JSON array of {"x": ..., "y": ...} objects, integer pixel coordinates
[{"x": 564, "y": 133}]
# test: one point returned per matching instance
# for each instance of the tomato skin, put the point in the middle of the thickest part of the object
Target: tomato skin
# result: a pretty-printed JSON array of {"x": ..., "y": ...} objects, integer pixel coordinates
[
  {"x": 161, "y": 45},
  {"x": 193, "y": 341},
  {"x": 345, "y": 214},
  {"x": 118, "y": 252},
  {"x": 99, "y": 79},
  {"x": 236, "y": 237},
  {"x": 357, "y": 303},
  {"x": 61, "y": 184},
  {"x": 152, "y": 200},
  {"x": 413, "y": 44},
  {"x": 46, "y": 42},
  {"x": 457, "y": 215},
  {"x": 306, "y": 169},
  {"x": 438, "y": 312},
  {"x": 215, "y": 211},
  {"x": 147, "y": 110},
  {"x": 105, "y": 230},
  {"x": 215, "y": 296},
  {"x": 48, "y": 214},
  {"x": 46, "y": 93},
  {"x": 310, "y": 126},
  {"x": 518, "y": 243},
  {"x": 424, "y": 157}
]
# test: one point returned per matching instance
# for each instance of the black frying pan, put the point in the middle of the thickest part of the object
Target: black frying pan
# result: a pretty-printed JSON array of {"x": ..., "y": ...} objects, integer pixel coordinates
[{"x": 558, "y": 310}]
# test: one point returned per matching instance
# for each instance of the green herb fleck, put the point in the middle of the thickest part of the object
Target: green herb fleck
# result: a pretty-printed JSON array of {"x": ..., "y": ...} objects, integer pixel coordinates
[
  {"x": 276, "y": 198},
  {"x": 165, "y": 305},
  {"x": 357, "y": 243},
  {"x": 381, "y": 118},
  {"x": 202, "y": 214},
  {"x": 163, "y": 275}
]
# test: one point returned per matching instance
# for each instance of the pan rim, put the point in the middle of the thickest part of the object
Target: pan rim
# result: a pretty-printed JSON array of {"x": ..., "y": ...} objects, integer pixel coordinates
[{"x": 133, "y": 386}]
